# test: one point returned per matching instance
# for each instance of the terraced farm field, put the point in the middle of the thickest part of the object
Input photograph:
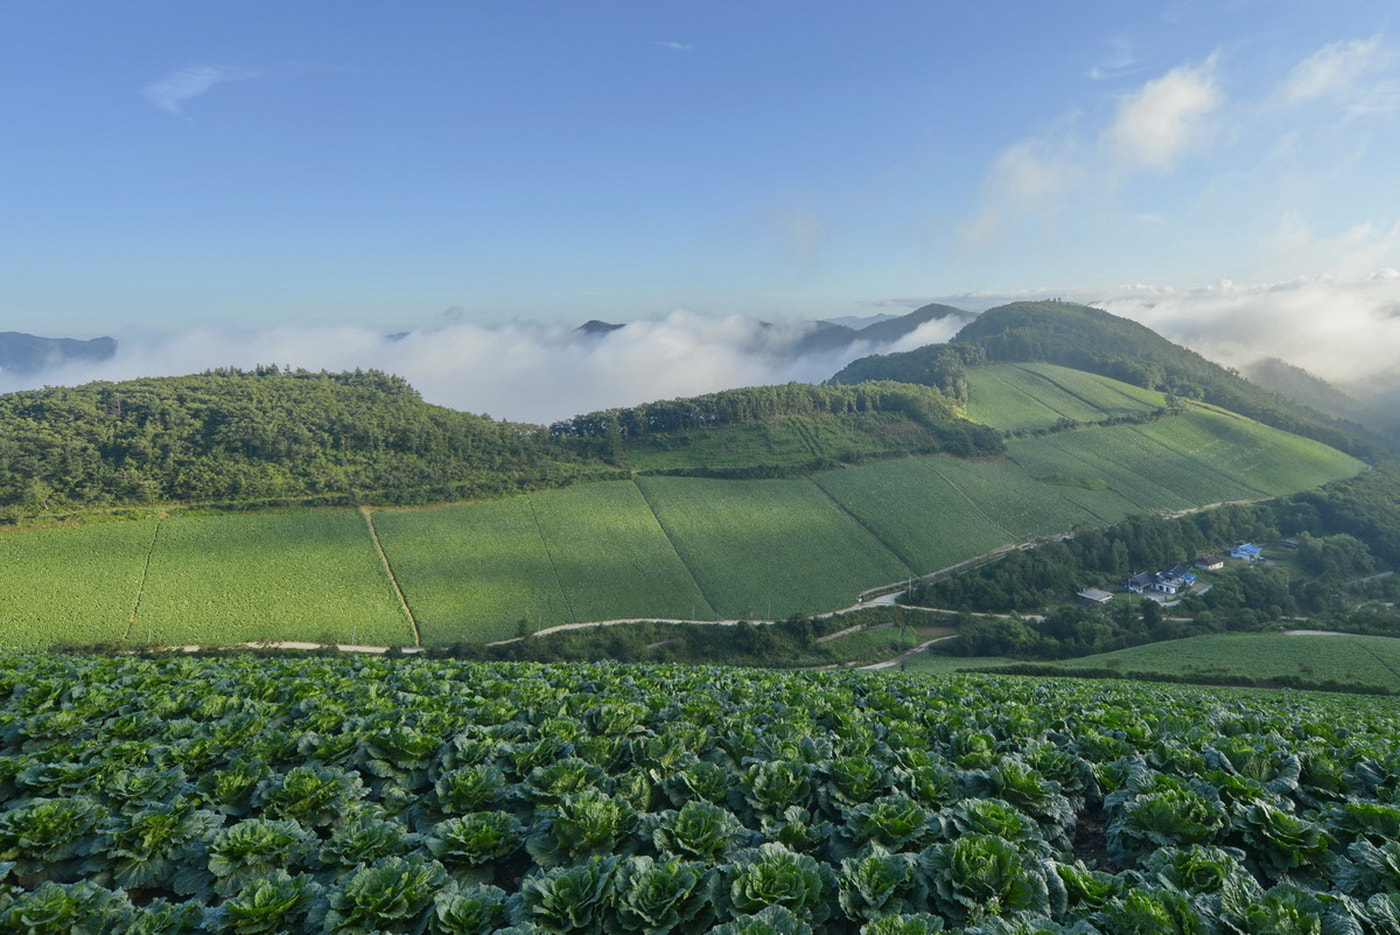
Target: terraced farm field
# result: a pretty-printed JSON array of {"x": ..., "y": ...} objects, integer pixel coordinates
[
  {"x": 1018, "y": 397},
  {"x": 306, "y": 575}
]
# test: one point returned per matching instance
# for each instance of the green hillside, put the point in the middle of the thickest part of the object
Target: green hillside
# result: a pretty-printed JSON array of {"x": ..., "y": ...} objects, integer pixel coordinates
[
  {"x": 1092, "y": 340},
  {"x": 653, "y": 546}
]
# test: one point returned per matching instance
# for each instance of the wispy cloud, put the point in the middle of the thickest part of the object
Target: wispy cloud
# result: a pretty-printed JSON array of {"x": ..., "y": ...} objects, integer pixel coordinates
[
  {"x": 1151, "y": 129},
  {"x": 171, "y": 92},
  {"x": 673, "y": 45},
  {"x": 1333, "y": 69},
  {"x": 1120, "y": 61},
  {"x": 1161, "y": 122}
]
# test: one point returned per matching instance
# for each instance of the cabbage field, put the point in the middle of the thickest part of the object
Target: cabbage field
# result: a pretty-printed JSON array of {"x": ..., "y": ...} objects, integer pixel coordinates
[{"x": 416, "y": 795}]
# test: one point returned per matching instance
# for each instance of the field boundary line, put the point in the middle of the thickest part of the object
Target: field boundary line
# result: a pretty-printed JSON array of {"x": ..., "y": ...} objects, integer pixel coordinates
[
  {"x": 971, "y": 502},
  {"x": 393, "y": 578},
  {"x": 145, "y": 575},
  {"x": 549, "y": 554},
  {"x": 1264, "y": 494},
  {"x": 670, "y": 540},
  {"x": 903, "y": 560}
]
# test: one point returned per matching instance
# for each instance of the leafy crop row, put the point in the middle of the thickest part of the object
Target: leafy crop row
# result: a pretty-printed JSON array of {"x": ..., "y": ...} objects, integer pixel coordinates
[{"x": 255, "y": 795}]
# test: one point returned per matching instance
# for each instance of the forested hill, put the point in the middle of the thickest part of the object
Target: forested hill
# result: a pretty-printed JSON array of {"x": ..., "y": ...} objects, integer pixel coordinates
[
  {"x": 1091, "y": 339},
  {"x": 264, "y": 435},
  {"x": 272, "y": 436}
]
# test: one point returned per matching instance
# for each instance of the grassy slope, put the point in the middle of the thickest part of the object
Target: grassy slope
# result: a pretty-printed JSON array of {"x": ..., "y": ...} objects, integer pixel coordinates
[
  {"x": 612, "y": 557},
  {"x": 787, "y": 441}
]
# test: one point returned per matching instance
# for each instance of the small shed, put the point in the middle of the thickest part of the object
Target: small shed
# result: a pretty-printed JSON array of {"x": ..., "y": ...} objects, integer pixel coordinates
[
  {"x": 1095, "y": 596},
  {"x": 1210, "y": 563}
]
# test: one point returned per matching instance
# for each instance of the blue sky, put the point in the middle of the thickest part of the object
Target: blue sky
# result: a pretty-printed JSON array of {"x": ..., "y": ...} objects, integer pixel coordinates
[
  {"x": 383, "y": 163},
  {"x": 232, "y": 183}
]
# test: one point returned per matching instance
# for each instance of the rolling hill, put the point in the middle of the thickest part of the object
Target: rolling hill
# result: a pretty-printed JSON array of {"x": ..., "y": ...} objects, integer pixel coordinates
[{"x": 654, "y": 544}]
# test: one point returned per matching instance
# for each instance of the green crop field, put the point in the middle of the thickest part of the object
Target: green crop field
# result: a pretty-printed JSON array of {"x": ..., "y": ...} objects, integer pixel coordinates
[
  {"x": 611, "y": 556},
  {"x": 1014, "y": 501},
  {"x": 672, "y": 547},
  {"x": 72, "y": 584},
  {"x": 1249, "y": 453},
  {"x": 768, "y": 548},
  {"x": 1357, "y": 660},
  {"x": 1018, "y": 397},
  {"x": 920, "y": 516},
  {"x": 472, "y": 572},
  {"x": 309, "y": 575}
]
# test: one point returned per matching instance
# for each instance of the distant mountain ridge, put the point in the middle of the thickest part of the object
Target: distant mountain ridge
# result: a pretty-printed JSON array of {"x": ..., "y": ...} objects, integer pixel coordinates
[
  {"x": 827, "y": 336},
  {"x": 22, "y": 353}
]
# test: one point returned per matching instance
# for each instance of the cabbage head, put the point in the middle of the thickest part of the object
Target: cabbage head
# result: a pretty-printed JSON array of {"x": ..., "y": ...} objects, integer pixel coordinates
[
  {"x": 775, "y": 920},
  {"x": 277, "y": 902},
  {"x": 656, "y": 897},
  {"x": 879, "y": 883},
  {"x": 773, "y": 875},
  {"x": 699, "y": 830},
  {"x": 980, "y": 875},
  {"x": 393, "y": 894},
  {"x": 571, "y": 900}
]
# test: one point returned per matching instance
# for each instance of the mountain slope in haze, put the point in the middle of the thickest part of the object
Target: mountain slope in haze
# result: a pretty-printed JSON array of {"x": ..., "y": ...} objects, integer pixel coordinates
[
  {"x": 1095, "y": 341},
  {"x": 830, "y": 336},
  {"x": 28, "y": 354}
]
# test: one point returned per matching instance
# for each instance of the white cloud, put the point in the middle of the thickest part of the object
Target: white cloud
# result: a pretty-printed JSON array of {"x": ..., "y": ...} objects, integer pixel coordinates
[
  {"x": 1333, "y": 70},
  {"x": 520, "y": 371},
  {"x": 172, "y": 91},
  {"x": 1165, "y": 119},
  {"x": 673, "y": 46},
  {"x": 1345, "y": 330},
  {"x": 1024, "y": 178}
]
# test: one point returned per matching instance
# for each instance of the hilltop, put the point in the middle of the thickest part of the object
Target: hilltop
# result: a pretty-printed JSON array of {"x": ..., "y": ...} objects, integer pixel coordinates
[{"x": 1092, "y": 340}]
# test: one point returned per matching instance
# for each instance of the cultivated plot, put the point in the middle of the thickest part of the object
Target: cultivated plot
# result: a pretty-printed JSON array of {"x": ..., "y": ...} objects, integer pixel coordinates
[
  {"x": 1094, "y": 471},
  {"x": 768, "y": 548},
  {"x": 1250, "y": 453},
  {"x": 473, "y": 572},
  {"x": 306, "y": 575},
  {"x": 1355, "y": 660},
  {"x": 919, "y": 515},
  {"x": 611, "y": 556},
  {"x": 1019, "y": 397},
  {"x": 1015, "y": 502},
  {"x": 73, "y": 585}
]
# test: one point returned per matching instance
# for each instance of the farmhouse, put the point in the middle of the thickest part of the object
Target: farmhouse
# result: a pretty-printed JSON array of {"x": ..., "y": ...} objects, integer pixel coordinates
[
  {"x": 1170, "y": 582},
  {"x": 1210, "y": 563},
  {"x": 1248, "y": 552}
]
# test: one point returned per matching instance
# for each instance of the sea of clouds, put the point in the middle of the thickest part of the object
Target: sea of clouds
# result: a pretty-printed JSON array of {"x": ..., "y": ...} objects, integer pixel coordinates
[{"x": 1345, "y": 331}]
